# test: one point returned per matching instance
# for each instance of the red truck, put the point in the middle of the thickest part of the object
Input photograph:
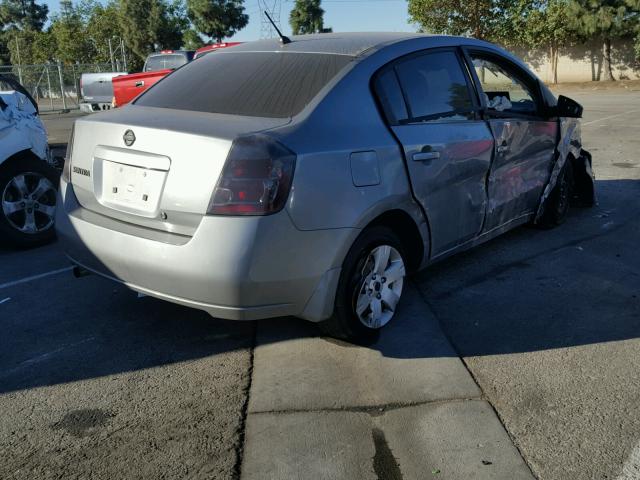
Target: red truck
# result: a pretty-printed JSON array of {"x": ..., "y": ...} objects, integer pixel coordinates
[{"x": 157, "y": 66}]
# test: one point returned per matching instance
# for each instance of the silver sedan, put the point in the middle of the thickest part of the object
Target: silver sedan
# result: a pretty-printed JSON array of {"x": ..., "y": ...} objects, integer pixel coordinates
[{"x": 309, "y": 177}]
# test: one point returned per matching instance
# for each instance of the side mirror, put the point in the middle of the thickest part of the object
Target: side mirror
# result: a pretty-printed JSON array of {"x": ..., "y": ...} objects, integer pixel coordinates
[{"x": 568, "y": 107}]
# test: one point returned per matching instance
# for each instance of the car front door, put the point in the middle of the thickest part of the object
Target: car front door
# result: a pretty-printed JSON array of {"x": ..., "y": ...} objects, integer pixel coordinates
[
  {"x": 525, "y": 140},
  {"x": 433, "y": 111}
]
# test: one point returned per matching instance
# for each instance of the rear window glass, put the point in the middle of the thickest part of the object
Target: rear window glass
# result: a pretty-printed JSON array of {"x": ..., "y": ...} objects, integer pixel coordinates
[
  {"x": 269, "y": 84},
  {"x": 435, "y": 86},
  {"x": 162, "y": 62}
]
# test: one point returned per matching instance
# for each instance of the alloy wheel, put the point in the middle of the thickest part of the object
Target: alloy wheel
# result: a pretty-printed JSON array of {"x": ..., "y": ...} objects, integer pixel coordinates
[
  {"x": 379, "y": 291},
  {"x": 29, "y": 202}
]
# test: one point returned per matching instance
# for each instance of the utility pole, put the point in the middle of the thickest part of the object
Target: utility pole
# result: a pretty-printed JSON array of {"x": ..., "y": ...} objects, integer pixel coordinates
[
  {"x": 273, "y": 8},
  {"x": 64, "y": 99},
  {"x": 113, "y": 67},
  {"x": 19, "y": 63},
  {"x": 124, "y": 55}
]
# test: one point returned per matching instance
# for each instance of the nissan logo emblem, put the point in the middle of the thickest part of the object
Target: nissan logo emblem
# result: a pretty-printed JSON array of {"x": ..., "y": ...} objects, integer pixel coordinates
[{"x": 129, "y": 138}]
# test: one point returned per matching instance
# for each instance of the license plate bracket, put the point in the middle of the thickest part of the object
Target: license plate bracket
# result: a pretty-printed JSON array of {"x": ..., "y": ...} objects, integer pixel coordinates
[{"x": 131, "y": 189}]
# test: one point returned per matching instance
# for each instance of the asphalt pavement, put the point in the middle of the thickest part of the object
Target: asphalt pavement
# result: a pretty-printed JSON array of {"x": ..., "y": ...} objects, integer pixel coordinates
[{"x": 518, "y": 359}]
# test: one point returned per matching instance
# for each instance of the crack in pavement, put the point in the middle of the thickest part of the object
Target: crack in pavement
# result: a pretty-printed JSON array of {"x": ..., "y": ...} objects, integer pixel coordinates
[
  {"x": 468, "y": 368},
  {"x": 374, "y": 410},
  {"x": 237, "y": 469}
]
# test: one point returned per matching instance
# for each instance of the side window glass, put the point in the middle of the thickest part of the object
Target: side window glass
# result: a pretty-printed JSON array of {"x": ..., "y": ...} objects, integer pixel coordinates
[
  {"x": 388, "y": 91},
  {"x": 503, "y": 91},
  {"x": 435, "y": 87}
]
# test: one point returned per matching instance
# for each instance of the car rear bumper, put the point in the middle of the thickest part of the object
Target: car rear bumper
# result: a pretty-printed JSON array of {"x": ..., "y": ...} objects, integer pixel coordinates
[{"x": 239, "y": 268}]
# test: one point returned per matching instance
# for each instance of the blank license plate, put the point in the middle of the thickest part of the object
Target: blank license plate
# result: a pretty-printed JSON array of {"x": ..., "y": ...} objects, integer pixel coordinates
[{"x": 134, "y": 188}]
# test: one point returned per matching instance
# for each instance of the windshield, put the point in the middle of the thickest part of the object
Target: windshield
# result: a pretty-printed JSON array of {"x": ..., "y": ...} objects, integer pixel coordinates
[
  {"x": 258, "y": 84},
  {"x": 162, "y": 62}
]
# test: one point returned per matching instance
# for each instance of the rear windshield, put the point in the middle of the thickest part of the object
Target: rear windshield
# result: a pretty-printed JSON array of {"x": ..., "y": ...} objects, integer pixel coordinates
[
  {"x": 262, "y": 84},
  {"x": 162, "y": 62}
]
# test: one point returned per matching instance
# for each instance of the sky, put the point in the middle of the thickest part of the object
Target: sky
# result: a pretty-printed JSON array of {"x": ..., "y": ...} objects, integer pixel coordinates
[{"x": 341, "y": 15}]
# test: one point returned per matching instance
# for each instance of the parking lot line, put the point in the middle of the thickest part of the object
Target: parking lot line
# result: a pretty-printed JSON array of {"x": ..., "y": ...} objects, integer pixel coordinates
[
  {"x": 609, "y": 117},
  {"x": 34, "y": 277}
]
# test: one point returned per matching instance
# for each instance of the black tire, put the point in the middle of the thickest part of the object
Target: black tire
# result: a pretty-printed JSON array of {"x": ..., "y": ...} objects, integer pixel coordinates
[
  {"x": 33, "y": 168},
  {"x": 344, "y": 324},
  {"x": 559, "y": 201}
]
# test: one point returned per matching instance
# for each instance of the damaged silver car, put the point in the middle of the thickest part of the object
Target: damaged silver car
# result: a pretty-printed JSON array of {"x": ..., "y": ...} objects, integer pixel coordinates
[
  {"x": 316, "y": 172},
  {"x": 28, "y": 182}
]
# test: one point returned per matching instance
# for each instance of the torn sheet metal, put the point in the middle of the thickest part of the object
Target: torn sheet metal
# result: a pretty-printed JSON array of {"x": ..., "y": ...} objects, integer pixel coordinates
[
  {"x": 20, "y": 127},
  {"x": 570, "y": 144}
]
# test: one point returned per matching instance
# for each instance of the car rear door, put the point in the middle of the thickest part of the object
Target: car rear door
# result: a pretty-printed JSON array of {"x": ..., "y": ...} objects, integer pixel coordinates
[
  {"x": 525, "y": 140},
  {"x": 433, "y": 111}
]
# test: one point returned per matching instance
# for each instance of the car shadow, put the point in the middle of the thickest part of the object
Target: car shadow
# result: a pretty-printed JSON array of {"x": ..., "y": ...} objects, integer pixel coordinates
[{"x": 526, "y": 291}]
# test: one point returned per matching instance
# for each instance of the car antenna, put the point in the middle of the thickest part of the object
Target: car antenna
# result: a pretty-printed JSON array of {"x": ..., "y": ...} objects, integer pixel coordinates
[{"x": 283, "y": 40}]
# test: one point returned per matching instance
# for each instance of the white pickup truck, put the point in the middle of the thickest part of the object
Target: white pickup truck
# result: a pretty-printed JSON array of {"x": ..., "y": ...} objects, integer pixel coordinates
[
  {"x": 28, "y": 181},
  {"x": 96, "y": 91}
]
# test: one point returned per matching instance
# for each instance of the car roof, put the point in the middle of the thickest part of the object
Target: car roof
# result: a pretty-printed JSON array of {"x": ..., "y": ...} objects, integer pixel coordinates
[{"x": 352, "y": 44}]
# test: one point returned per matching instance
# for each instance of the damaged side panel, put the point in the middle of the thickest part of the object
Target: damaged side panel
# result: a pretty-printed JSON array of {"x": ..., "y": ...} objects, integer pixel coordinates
[
  {"x": 570, "y": 147},
  {"x": 20, "y": 127},
  {"x": 520, "y": 169}
]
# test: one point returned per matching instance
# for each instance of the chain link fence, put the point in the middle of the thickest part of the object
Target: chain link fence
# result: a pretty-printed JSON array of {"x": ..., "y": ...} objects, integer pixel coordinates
[{"x": 55, "y": 87}]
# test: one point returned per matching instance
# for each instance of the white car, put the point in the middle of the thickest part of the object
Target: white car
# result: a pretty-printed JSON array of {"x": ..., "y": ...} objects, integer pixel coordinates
[{"x": 28, "y": 182}]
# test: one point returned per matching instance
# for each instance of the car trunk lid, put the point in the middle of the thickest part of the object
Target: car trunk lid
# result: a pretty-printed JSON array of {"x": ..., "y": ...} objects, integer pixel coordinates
[{"x": 154, "y": 167}]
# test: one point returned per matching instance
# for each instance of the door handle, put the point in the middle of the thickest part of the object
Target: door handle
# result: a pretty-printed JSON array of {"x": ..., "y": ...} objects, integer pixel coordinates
[
  {"x": 140, "y": 83},
  {"x": 424, "y": 156}
]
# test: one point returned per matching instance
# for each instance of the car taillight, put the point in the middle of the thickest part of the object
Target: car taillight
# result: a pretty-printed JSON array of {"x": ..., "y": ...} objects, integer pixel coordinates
[
  {"x": 66, "y": 169},
  {"x": 256, "y": 178}
]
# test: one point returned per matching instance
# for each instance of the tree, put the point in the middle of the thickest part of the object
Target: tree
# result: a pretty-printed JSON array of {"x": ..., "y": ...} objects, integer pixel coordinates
[
  {"x": 173, "y": 24},
  {"x": 150, "y": 25},
  {"x": 68, "y": 29},
  {"x": 480, "y": 18},
  {"x": 22, "y": 14},
  {"x": 102, "y": 25},
  {"x": 606, "y": 20},
  {"x": 17, "y": 16},
  {"x": 191, "y": 40},
  {"x": 542, "y": 24},
  {"x": 306, "y": 17},
  {"x": 217, "y": 18},
  {"x": 28, "y": 47}
]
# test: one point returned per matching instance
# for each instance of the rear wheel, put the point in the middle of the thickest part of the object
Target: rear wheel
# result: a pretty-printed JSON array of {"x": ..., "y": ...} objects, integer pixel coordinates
[
  {"x": 370, "y": 287},
  {"x": 27, "y": 202}
]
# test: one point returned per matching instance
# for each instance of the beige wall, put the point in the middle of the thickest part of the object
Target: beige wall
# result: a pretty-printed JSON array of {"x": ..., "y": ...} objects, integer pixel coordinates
[{"x": 583, "y": 63}]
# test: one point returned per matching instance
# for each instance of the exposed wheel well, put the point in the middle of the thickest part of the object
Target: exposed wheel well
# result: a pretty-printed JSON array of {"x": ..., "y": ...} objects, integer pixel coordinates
[
  {"x": 19, "y": 156},
  {"x": 405, "y": 227}
]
